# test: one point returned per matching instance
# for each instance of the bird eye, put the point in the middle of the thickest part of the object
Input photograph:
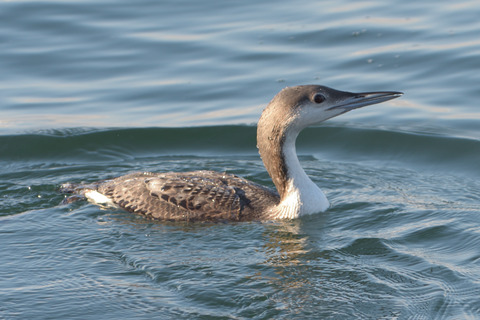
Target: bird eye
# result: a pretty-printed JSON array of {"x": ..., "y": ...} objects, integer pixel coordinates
[{"x": 319, "y": 98}]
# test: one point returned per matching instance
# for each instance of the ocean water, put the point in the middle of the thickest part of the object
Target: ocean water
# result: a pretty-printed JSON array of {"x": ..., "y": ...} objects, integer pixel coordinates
[{"x": 95, "y": 89}]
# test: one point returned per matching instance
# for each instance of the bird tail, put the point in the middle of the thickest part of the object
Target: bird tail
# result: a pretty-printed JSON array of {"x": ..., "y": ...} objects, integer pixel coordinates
[{"x": 76, "y": 191}]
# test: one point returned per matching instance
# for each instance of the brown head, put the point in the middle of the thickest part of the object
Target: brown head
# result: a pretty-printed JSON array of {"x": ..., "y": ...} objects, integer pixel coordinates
[{"x": 295, "y": 108}]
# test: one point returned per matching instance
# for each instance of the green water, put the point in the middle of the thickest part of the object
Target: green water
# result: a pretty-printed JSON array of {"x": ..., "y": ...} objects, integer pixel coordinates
[
  {"x": 91, "y": 90},
  {"x": 401, "y": 236}
]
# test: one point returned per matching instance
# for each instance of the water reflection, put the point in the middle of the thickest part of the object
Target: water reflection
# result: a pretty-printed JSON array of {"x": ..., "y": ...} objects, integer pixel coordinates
[
  {"x": 294, "y": 262},
  {"x": 285, "y": 244}
]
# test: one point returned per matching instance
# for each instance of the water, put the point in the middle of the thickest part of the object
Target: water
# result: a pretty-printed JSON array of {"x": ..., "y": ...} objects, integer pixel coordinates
[{"x": 96, "y": 89}]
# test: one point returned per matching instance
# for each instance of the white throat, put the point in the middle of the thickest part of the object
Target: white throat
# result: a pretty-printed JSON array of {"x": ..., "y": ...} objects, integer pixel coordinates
[{"x": 303, "y": 195}]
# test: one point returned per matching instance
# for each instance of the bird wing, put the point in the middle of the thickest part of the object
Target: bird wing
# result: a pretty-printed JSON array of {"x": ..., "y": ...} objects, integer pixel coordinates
[{"x": 198, "y": 195}]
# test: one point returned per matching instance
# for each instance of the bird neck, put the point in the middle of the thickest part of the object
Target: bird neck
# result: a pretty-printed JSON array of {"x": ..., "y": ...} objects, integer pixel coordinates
[{"x": 298, "y": 194}]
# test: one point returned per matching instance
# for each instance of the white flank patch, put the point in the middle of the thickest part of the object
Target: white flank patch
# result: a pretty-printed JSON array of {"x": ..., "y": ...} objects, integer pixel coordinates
[
  {"x": 98, "y": 198},
  {"x": 302, "y": 199},
  {"x": 290, "y": 207}
]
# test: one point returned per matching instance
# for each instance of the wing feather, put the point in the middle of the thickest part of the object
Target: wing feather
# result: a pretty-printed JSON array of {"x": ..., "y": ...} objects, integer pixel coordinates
[{"x": 198, "y": 195}]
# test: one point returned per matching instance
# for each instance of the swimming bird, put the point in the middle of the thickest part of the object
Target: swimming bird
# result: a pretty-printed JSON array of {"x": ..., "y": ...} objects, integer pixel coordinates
[{"x": 213, "y": 196}]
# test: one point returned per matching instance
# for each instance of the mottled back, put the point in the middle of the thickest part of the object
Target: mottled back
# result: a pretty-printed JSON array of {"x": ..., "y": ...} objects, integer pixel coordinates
[{"x": 190, "y": 196}]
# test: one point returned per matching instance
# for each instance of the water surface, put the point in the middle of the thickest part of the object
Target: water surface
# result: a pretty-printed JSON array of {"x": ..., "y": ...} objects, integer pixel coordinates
[{"x": 92, "y": 90}]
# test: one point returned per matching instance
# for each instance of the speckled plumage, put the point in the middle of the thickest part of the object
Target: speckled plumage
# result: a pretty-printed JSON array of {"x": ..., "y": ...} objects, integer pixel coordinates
[
  {"x": 190, "y": 196},
  {"x": 213, "y": 196}
]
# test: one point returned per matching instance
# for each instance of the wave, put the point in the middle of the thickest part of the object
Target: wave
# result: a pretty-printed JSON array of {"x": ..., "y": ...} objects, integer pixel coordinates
[{"x": 330, "y": 142}]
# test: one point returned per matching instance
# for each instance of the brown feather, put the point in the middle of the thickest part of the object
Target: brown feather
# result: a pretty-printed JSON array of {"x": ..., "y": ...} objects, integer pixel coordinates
[{"x": 190, "y": 196}]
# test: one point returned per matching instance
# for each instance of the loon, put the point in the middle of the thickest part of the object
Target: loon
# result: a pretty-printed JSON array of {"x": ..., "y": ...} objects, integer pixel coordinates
[{"x": 215, "y": 196}]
